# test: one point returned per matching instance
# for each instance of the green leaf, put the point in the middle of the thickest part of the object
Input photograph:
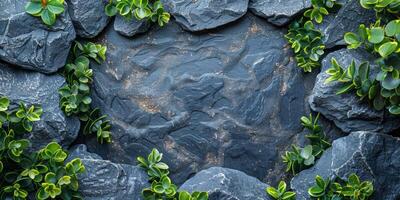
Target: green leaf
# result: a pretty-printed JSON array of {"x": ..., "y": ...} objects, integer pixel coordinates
[
  {"x": 376, "y": 35},
  {"x": 4, "y": 103},
  {"x": 345, "y": 89},
  {"x": 110, "y": 10},
  {"x": 55, "y": 7},
  {"x": 273, "y": 192},
  {"x": 387, "y": 48},
  {"x": 48, "y": 17},
  {"x": 33, "y": 8},
  {"x": 282, "y": 187},
  {"x": 392, "y": 28},
  {"x": 288, "y": 195},
  {"x": 306, "y": 152}
]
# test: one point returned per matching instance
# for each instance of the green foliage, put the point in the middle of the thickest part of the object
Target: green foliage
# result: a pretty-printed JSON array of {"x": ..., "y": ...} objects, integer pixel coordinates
[
  {"x": 75, "y": 95},
  {"x": 140, "y": 9},
  {"x": 306, "y": 41},
  {"x": 302, "y": 158},
  {"x": 351, "y": 189},
  {"x": 47, "y": 10},
  {"x": 320, "y": 8},
  {"x": 391, "y": 6},
  {"x": 161, "y": 185},
  {"x": 44, "y": 173},
  {"x": 280, "y": 193}
]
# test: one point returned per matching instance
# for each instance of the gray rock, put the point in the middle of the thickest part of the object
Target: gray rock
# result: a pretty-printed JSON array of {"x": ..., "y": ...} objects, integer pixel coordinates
[
  {"x": 372, "y": 156},
  {"x": 205, "y": 14},
  {"x": 27, "y": 42},
  {"x": 88, "y": 16},
  {"x": 279, "y": 12},
  {"x": 348, "y": 19},
  {"x": 34, "y": 88},
  {"x": 347, "y": 111},
  {"x": 226, "y": 184},
  {"x": 104, "y": 180},
  {"x": 130, "y": 27},
  {"x": 230, "y": 97}
]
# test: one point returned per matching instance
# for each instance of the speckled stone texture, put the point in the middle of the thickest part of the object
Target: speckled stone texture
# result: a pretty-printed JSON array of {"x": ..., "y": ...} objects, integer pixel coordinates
[
  {"x": 33, "y": 88},
  {"x": 27, "y": 42},
  {"x": 372, "y": 156},
  {"x": 130, "y": 27}
]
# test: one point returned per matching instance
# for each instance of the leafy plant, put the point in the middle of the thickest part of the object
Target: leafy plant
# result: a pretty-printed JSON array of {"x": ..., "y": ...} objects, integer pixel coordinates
[
  {"x": 351, "y": 189},
  {"x": 140, "y": 9},
  {"x": 307, "y": 44},
  {"x": 280, "y": 193},
  {"x": 44, "y": 173},
  {"x": 47, "y": 10},
  {"x": 302, "y": 158},
  {"x": 161, "y": 185},
  {"x": 320, "y": 8},
  {"x": 75, "y": 95}
]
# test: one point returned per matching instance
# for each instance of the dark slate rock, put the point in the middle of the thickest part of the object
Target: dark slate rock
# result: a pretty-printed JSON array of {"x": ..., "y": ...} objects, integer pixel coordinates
[
  {"x": 279, "y": 12},
  {"x": 226, "y": 184},
  {"x": 88, "y": 16},
  {"x": 205, "y": 14},
  {"x": 372, "y": 156},
  {"x": 230, "y": 97},
  {"x": 130, "y": 27},
  {"x": 347, "y": 111},
  {"x": 27, "y": 42},
  {"x": 348, "y": 19},
  {"x": 34, "y": 88},
  {"x": 104, "y": 180}
]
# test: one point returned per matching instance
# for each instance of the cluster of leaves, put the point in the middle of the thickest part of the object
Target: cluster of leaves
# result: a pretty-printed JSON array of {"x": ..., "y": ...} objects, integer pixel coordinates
[
  {"x": 305, "y": 39},
  {"x": 351, "y": 189},
  {"x": 383, "y": 89},
  {"x": 280, "y": 193},
  {"x": 161, "y": 185},
  {"x": 302, "y": 158},
  {"x": 47, "y": 10},
  {"x": 75, "y": 95},
  {"x": 43, "y": 174},
  {"x": 140, "y": 9}
]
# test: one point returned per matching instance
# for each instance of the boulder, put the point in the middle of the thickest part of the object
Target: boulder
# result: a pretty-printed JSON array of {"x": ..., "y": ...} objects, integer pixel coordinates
[
  {"x": 372, "y": 156},
  {"x": 27, "y": 42},
  {"x": 347, "y": 19},
  {"x": 279, "y": 12},
  {"x": 348, "y": 112},
  {"x": 33, "y": 88},
  {"x": 104, "y": 180},
  {"x": 130, "y": 27},
  {"x": 230, "y": 97},
  {"x": 205, "y": 14},
  {"x": 226, "y": 184},
  {"x": 88, "y": 16}
]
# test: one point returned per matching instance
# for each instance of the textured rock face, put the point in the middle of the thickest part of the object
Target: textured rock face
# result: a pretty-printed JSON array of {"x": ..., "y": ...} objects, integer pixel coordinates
[
  {"x": 372, "y": 156},
  {"x": 205, "y": 14},
  {"x": 131, "y": 27},
  {"x": 88, "y": 16},
  {"x": 39, "y": 89},
  {"x": 348, "y": 19},
  {"x": 104, "y": 180},
  {"x": 27, "y": 42},
  {"x": 278, "y": 12},
  {"x": 229, "y": 98},
  {"x": 347, "y": 111},
  {"x": 226, "y": 184}
]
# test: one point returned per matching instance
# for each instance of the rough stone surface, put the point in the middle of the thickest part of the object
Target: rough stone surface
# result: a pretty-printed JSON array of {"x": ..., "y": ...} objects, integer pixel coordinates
[
  {"x": 348, "y": 19},
  {"x": 347, "y": 111},
  {"x": 226, "y": 184},
  {"x": 27, "y": 42},
  {"x": 372, "y": 156},
  {"x": 279, "y": 12},
  {"x": 104, "y": 180},
  {"x": 131, "y": 27},
  {"x": 88, "y": 16},
  {"x": 205, "y": 14},
  {"x": 34, "y": 88},
  {"x": 232, "y": 97}
]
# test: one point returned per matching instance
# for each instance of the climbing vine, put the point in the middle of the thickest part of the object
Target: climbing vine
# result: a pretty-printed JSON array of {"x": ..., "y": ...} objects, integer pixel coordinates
[
  {"x": 44, "y": 174},
  {"x": 75, "y": 95}
]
